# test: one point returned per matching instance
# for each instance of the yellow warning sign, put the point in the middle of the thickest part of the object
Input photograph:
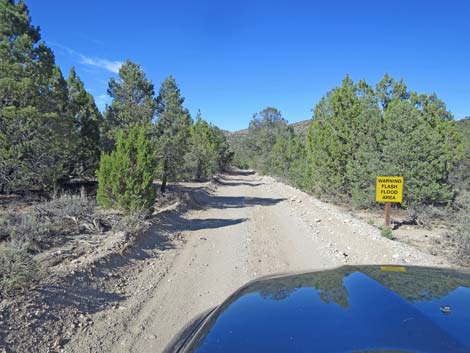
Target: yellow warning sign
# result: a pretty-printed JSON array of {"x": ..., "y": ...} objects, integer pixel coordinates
[
  {"x": 389, "y": 189},
  {"x": 393, "y": 268}
]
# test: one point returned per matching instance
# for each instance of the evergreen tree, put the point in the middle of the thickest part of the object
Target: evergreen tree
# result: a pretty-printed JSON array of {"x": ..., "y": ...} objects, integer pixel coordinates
[
  {"x": 34, "y": 129},
  {"x": 222, "y": 148},
  {"x": 201, "y": 161},
  {"x": 388, "y": 89},
  {"x": 264, "y": 130},
  {"x": 359, "y": 133},
  {"x": 173, "y": 131},
  {"x": 416, "y": 150},
  {"x": 363, "y": 166},
  {"x": 331, "y": 138},
  {"x": 287, "y": 160},
  {"x": 87, "y": 121},
  {"x": 209, "y": 150},
  {"x": 125, "y": 176},
  {"x": 133, "y": 102}
]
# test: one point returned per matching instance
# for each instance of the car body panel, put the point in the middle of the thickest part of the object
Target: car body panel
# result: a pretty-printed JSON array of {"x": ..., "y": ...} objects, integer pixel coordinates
[{"x": 349, "y": 309}]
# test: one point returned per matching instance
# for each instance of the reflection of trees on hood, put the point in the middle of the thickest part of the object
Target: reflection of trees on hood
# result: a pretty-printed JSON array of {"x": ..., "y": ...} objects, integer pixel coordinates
[
  {"x": 415, "y": 285},
  {"x": 279, "y": 294},
  {"x": 329, "y": 285},
  {"x": 331, "y": 288},
  {"x": 419, "y": 284}
]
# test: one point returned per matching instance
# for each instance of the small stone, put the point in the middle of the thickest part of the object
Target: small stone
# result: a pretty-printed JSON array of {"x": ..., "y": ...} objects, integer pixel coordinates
[
  {"x": 58, "y": 343},
  {"x": 395, "y": 256}
]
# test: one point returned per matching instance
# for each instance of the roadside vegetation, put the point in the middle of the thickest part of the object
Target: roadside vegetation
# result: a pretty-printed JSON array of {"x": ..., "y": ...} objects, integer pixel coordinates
[
  {"x": 54, "y": 141},
  {"x": 358, "y": 132}
]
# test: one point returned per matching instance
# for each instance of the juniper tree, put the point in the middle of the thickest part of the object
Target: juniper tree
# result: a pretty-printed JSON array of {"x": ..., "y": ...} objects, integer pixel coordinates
[{"x": 125, "y": 176}]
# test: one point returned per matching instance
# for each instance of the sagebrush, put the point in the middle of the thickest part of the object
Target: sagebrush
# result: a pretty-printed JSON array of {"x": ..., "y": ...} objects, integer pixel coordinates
[{"x": 18, "y": 270}]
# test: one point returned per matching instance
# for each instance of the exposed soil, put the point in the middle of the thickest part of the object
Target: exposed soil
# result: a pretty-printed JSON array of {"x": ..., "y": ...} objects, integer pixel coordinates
[{"x": 238, "y": 228}]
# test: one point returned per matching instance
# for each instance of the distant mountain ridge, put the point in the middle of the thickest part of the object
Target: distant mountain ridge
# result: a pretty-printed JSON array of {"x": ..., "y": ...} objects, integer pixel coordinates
[{"x": 300, "y": 127}]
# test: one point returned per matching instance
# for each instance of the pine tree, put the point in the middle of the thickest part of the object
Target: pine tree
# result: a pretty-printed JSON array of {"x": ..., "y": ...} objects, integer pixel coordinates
[
  {"x": 173, "y": 130},
  {"x": 264, "y": 130},
  {"x": 133, "y": 102},
  {"x": 87, "y": 121},
  {"x": 125, "y": 176},
  {"x": 34, "y": 126}
]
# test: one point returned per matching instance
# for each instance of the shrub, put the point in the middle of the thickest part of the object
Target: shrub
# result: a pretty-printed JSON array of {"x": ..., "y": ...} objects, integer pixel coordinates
[
  {"x": 17, "y": 270},
  {"x": 462, "y": 227},
  {"x": 73, "y": 207},
  {"x": 29, "y": 232},
  {"x": 125, "y": 177},
  {"x": 133, "y": 223},
  {"x": 386, "y": 232},
  {"x": 37, "y": 229},
  {"x": 429, "y": 215}
]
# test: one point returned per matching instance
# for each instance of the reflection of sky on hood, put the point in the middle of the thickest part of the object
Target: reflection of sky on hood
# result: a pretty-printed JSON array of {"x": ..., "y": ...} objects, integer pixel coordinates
[
  {"x": 376, "y": 318},
  {"x": 459, "y": 301}
]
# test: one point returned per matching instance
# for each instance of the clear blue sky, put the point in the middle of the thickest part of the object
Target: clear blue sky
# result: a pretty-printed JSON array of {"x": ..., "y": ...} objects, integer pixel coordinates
[{"x": 233, "y": 58}]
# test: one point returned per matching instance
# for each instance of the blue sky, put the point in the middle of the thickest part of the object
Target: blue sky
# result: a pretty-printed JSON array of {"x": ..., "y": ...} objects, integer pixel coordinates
[{"x": 234, "y": 58}]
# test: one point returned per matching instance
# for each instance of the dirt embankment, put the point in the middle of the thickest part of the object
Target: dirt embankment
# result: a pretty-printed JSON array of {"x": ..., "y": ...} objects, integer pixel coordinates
[{"x": 237, "y": 229}]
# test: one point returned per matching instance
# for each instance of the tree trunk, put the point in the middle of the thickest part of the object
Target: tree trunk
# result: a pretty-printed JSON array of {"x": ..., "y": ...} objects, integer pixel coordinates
[
  {"x": 164, "y": 176},
  {"x": 163, "y": 187}
]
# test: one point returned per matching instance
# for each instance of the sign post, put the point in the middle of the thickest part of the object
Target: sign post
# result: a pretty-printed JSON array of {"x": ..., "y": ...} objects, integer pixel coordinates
[
  {"x": 388, "y": 211},
  {"x": 389, "y": 189}
]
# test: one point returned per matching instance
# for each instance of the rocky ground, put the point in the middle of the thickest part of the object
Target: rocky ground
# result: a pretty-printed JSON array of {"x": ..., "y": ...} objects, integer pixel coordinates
[{"x": 115, "y": 297}]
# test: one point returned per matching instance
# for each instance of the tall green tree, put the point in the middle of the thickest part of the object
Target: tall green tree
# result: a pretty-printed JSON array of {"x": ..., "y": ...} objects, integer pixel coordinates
[
  {"x": 133, "y": 102},
  {"x": 331, "y": 138},
  {"x": 287, "y": 160},
  {"x": 359, "y": 133},
  {"x": 34, "y": 126},
  {"x": 173, "y": 131},
  {"x": 201, "y": 160},
  {"x": 264, "y": 130},
  {"x": 222, "y": 147},
  {"x": 87, "y": 121},
  {"x": 412, "y": 147},
  {"x": 208, "y": 150},
  {"x": 366, "y": 151}
]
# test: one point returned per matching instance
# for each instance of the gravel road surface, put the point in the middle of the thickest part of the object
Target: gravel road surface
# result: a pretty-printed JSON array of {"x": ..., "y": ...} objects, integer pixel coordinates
[{"x": 247, "y": 226}]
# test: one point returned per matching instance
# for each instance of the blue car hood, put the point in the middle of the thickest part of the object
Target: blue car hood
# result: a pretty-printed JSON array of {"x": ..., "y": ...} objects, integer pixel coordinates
[{"x": 349, "y": 309}]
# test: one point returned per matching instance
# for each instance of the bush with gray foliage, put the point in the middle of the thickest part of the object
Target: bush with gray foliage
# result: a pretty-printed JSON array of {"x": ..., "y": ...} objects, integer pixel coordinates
[{"x": 17, "y": 271}]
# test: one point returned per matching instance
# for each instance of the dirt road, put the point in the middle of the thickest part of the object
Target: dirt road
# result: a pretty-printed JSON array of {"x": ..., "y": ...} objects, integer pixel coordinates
[{"x": 247, "y": 226}]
